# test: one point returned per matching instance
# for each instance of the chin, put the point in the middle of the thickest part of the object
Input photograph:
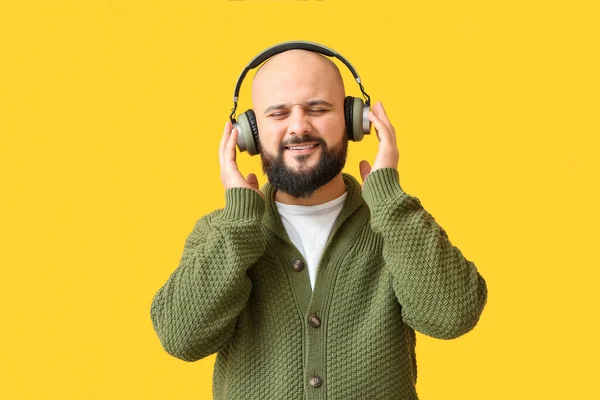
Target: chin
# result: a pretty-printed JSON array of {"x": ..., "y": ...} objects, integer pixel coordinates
[
  {"x": 302, "y": 167},
  {"x": 303, "y": 159}
]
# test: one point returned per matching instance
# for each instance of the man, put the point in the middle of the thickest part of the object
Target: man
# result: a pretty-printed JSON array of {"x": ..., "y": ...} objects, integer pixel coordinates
[{"x": 313, "y": 286}]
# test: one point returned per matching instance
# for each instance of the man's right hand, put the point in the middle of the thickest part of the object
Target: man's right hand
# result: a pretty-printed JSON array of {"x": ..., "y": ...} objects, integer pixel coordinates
[{"x": 230, "y": 174}]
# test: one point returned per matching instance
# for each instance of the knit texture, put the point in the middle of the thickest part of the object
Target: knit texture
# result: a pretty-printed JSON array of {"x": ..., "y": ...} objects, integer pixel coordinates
[{"x": 241, "y": 291}]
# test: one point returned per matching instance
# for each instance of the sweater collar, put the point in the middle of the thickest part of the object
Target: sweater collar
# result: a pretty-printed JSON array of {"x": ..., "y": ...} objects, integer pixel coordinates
[{"x": 272, "y": 219}]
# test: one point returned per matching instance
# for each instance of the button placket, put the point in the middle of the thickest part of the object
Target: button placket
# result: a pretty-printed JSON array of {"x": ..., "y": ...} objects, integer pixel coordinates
[{"x": 315, "y": 361}]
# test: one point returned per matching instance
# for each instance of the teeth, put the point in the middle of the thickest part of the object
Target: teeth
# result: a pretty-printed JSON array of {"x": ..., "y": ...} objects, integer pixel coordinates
[{"x": 302, "y": 147}]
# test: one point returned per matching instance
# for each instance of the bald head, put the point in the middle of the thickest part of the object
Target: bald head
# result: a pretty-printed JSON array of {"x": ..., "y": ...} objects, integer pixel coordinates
[{"x": 294, "y": 75}]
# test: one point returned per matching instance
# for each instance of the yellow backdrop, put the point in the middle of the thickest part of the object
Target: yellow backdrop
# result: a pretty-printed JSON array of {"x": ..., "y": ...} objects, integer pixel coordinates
[{"x": 111, "y": 114}]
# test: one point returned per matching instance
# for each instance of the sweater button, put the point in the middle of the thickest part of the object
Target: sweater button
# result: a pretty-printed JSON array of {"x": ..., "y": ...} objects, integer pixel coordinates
[
  {"x": 315, "y": 381},
  {"x": 297, "y": 264},
  {"x": 314, "y": 321}
]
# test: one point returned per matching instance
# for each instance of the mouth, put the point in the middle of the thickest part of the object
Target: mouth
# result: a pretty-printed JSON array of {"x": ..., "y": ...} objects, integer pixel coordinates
[{"x": 302, "y": 148}]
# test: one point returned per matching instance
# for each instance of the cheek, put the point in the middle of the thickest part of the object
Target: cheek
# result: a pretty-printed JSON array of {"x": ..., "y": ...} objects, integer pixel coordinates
[
  {"x": 269, "y": 137},
  {"x": 332, "y": 128}
]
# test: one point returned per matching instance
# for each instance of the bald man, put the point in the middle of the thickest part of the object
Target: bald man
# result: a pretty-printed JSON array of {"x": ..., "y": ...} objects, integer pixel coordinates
[{"x": 313, "y": 286}]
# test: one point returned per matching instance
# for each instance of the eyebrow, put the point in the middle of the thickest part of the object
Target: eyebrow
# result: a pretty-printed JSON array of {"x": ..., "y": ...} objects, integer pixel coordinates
[{"x": 307, "y": 104}]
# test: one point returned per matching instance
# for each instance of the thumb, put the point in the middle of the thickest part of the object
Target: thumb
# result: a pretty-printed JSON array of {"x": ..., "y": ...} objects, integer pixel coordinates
[
  {"x": 365, "y": 169},
  {"x": 252, "y": 180}
]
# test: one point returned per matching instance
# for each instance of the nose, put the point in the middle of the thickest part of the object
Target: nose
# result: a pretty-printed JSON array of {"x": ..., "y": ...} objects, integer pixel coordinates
[{"x": 299, "y": 121}]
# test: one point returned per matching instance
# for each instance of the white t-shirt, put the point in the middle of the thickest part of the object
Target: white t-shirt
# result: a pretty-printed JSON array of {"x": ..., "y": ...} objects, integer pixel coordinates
[{"x": 309, "y": 227}]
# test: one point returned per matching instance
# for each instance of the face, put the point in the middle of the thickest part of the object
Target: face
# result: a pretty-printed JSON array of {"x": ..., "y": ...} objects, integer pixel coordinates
[
  {"x": 305, "y": 180},
  {"x": 298, "y": 100}
]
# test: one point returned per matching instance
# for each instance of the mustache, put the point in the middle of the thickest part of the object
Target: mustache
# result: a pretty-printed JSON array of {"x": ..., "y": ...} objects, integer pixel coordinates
[{"x": 301, "y": 140}]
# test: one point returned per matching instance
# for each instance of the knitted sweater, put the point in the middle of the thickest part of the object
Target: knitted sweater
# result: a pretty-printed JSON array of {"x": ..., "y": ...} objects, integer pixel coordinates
[{"x": 242, "y": 291}]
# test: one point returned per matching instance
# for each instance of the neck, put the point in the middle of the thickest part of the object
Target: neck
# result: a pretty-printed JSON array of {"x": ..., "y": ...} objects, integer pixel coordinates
[{"x": 330, "y": 191}]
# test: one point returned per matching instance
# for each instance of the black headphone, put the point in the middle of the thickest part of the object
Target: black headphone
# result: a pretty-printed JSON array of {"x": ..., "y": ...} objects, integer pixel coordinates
[{"x": 355, "y": 110}]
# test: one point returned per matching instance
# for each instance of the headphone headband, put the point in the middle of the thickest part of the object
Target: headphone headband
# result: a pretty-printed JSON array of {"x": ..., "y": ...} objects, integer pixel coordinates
[{"x": 285, "y": 46}]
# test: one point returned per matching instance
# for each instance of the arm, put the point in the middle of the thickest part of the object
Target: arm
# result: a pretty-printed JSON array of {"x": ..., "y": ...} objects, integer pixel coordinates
[
  {"x": 195, "y": 312},
  {"x": 441, "y": 292}
]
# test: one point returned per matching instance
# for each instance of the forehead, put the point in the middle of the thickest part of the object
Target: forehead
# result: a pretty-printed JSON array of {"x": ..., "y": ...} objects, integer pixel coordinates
[{"x": 296, "y": 76}]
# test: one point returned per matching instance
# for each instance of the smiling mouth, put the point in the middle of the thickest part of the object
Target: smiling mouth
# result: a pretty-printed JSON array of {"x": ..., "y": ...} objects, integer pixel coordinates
[{"x": 302, "y": 147}]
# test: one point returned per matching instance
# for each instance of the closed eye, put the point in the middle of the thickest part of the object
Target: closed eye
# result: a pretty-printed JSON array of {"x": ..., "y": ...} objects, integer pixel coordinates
[{"x": 314, "y": 110}]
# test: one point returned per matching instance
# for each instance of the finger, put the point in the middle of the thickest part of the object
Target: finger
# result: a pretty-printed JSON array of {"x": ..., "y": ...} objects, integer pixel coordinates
[
  {"x": 365, "y": 169},
  {"x": 383, "y": 117},
  {"x": 252, "y": 180},
  {"x": 379, "y": 126},
  {"x": 383, "y": 132},
  {"x": 224, "y": 138},
  {"x": 229, "y": 152}
]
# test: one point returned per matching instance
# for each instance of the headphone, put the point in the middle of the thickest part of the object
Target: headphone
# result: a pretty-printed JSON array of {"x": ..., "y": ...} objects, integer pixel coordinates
[{"x": 356, "y": 112}]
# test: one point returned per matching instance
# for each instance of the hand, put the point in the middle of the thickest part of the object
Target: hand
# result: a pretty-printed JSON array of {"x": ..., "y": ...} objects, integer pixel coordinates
[
  {"x": 230, "y": 174},
  {"x": 387, "y": 154}
]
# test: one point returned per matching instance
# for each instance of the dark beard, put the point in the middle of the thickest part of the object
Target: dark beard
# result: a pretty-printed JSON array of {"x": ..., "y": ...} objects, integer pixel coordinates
[{"x": 304, "y": 183}]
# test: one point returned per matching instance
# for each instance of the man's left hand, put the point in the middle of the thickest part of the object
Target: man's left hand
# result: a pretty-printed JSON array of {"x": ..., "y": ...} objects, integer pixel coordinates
[{"x": 387, "y": 154}]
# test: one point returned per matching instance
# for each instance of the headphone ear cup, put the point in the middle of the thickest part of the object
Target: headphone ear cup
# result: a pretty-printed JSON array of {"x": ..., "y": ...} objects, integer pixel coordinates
[
  {"x": 348, "y": 111},
  {"x": 247, "y": 139},
  {"x": 354, "y": 113},
  {"x": 254, "y": 132}
]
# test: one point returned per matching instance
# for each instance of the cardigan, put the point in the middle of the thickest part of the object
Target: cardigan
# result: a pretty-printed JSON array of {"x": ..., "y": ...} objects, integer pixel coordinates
[
  {"x": 308, "y": 227},
  {"x": 242, "y": 290}
]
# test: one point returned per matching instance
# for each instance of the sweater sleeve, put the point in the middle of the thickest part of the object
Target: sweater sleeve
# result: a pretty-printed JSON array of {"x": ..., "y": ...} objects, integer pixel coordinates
[
  {"x": 441, "y": 292},
  {"x": 195, "y": 312}
]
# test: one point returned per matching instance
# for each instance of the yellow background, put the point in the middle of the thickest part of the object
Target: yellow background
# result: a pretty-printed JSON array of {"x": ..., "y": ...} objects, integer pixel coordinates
[{"x": 111, "y": 114}]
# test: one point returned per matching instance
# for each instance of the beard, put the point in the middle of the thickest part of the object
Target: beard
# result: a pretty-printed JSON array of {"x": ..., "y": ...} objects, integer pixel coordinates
[{"x": 303, "y": 183}]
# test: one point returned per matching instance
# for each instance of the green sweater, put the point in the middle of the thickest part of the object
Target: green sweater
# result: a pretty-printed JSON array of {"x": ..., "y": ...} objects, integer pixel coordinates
[{"x": 242, "y": 290}]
